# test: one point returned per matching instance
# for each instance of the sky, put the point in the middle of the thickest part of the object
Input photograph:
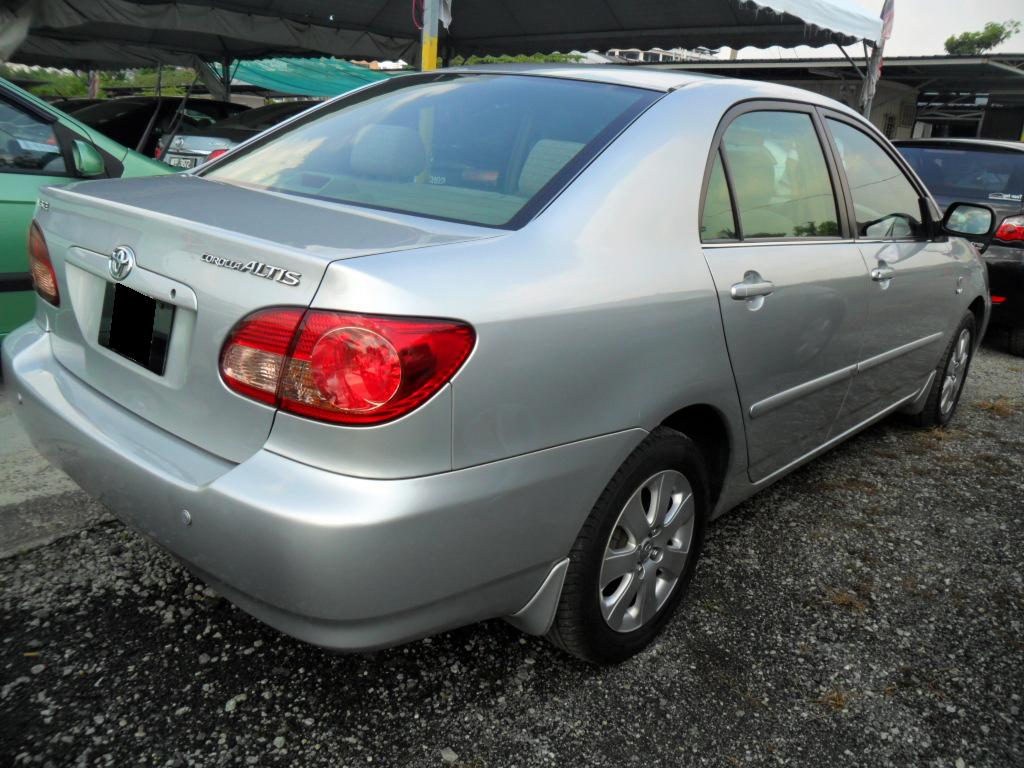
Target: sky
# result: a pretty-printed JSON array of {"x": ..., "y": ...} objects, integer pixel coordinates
[{"x": 920, "y": 28}]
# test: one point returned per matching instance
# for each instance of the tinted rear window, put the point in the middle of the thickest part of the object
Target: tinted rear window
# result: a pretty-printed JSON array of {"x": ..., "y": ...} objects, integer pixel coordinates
[
  {"x": 473, "y": 148},
  {"x": 258, "y": 119},
  {"x": 972, "y": 174}
]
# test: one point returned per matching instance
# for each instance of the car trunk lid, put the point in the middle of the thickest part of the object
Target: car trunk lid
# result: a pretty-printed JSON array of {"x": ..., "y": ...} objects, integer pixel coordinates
[{"x": 211, "y": 253}]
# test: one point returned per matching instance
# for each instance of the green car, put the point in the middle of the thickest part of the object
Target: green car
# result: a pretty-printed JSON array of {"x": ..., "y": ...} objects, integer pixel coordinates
[{"x": 40, "y": 145}]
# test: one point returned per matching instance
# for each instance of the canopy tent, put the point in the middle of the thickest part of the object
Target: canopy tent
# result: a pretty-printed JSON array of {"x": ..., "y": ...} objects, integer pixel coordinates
[
  {"x": 118, "y": 33},
  {"x": 305, "y": 77}
]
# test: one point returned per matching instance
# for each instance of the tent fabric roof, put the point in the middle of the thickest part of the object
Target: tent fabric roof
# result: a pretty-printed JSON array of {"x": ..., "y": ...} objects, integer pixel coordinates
[{"x": 110, "y": 33}]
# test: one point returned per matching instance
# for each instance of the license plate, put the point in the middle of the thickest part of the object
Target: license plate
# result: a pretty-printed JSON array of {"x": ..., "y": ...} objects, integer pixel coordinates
[
  {"x": 136, "y": 326},
  {"x": 178, "y": 161}
]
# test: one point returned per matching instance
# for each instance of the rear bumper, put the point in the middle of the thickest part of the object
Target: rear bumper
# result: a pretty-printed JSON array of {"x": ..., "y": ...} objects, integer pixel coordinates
[
  {"x": 1006, "y": 284},
  {"x": 343, "y": 562}
]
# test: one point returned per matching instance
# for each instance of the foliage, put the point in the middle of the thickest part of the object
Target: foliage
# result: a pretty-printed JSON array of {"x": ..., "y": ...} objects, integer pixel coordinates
[
  {"x": 174, "y": 81},
  {"x": 60, "y": 84},
  {"x": 537, "y": 58},
  {"x": 973, "y": 43}
]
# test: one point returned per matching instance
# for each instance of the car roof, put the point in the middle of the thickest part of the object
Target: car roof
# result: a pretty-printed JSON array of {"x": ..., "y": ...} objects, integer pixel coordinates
[
  {"x": 614, "y": 74},
  {"x": 663, "y": 80},
  {"x": 980, "y": 143}
]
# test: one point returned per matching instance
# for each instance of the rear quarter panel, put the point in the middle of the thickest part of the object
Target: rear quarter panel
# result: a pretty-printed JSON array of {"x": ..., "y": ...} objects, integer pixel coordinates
[{"x": 598, "y": 316}]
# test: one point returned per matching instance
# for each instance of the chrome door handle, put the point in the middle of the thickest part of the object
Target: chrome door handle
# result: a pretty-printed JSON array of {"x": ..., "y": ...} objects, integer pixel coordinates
[
  {"x": 751, "y": 290},
  {"x": 882, "y": 273}
]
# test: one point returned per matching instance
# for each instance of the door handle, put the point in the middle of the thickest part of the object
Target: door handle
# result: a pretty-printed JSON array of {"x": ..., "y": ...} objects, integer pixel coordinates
[
  {"x": 882, "y": 272},
  {"x": 751, "y": 289}
]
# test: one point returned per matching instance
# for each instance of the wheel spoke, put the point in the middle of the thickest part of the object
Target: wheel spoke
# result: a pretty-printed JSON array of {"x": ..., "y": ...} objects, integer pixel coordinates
[
  {"x": 634, "y": 516},
  {"x": 617, "y": 563},
  {"x": 661, "y": 497},
  {"x": 948, "y": 387},
  {"x": 673, "y": 562},
  {"x": 647, "y": 601},
  {"x": 616, "y": 611}
]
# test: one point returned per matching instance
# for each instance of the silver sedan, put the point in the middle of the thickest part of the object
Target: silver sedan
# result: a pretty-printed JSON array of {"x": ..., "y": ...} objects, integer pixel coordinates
[{"x": 490, "y": 342}]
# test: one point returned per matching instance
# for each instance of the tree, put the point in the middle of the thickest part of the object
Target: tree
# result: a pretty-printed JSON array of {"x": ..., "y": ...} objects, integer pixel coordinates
[{"x": 973, "y": 43}]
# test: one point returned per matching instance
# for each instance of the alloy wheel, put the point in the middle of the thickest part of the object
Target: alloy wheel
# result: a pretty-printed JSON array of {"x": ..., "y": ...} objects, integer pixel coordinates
[
  {"x": 956, "y": 369},
  {"x": 647, "y": 551}
]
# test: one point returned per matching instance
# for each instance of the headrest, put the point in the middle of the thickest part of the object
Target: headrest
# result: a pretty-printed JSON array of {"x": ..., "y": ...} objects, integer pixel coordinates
[
  {"x": 546, "y": 158},
  {"x": 391, "y": 152}
]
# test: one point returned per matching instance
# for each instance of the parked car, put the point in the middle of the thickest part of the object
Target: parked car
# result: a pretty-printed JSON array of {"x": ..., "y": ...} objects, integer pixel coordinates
[
  {"x": 196, "y": 146},
  {"x": 490, "y": 342},
  {"x": 133, "y": 119},
  {"x": 73, "y": 104},
  {"x": 39, "y": 145},
  {"x": 989, "y": 172}
]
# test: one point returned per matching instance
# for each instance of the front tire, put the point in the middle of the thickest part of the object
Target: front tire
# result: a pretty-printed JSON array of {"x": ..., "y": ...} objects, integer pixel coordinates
[
  {"x": 950, "y": 376},
  {"x": 635, "y": 555}
]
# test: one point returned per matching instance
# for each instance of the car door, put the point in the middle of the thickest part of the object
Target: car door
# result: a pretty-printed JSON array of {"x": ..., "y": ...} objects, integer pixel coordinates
[
  {"x": 31, "y": 156},
  {"x": 913, "y": 269},
  {"x": 792, "y": 287}
]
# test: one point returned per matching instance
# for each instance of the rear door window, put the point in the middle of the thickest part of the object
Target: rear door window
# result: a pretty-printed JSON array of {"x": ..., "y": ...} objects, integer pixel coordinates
[
  {"x": 477, "y": 148},
  {"x": 717, "y": 221},
  {"x": 779, "y": 175},
  {"x": 886, "y": 204}
]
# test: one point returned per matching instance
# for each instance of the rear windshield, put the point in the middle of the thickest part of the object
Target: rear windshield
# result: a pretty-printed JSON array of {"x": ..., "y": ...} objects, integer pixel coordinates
[
  {"x": 261, "y": 118},
  {"x": 972, "y": 174},
  {"x": 476, "y": 148}
]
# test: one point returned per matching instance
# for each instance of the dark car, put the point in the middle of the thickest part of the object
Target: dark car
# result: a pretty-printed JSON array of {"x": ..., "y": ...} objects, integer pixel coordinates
[
  {"x": 190, "y": 148},
  {"x": 139, "y": 122},
  {"x": 73, "y": 104},
  {"x": 989, "y": 172}
]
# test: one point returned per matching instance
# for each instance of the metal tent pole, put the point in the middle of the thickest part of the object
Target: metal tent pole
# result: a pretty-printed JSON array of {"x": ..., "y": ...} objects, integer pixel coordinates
[
  {"x": 871, "y": 76},
  {"x": 428, "y": 36},
  {"x": 226, "y": 77}
]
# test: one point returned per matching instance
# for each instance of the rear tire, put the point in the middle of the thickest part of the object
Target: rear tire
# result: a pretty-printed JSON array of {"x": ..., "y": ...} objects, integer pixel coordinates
[
  {"x": 1015, "y": 340},
  {"x": 642, "y": 540},
  {"x": 950, "y": 376}
]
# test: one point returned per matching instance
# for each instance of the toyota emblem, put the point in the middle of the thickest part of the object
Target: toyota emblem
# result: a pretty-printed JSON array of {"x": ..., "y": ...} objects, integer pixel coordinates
[{"x": 122, "y": 259}]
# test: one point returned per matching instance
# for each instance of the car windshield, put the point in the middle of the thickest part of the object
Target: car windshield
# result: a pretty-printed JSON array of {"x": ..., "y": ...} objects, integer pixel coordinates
[
  {"x": 969, "y": 173},
  {"x": 475, "y": 148}
]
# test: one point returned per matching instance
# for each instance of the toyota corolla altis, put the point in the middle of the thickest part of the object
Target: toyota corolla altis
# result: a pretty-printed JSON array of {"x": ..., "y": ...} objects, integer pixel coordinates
[{"x": 489, "y": 342}]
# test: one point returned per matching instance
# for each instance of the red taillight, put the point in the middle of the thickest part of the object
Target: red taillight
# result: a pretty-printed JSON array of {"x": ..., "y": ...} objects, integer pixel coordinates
[
  {"x": 215, "y": 154},
  {"x": 998, "y": 299},
  {"x": 44, "y": 279},
  {"x": 158, "y": 152},
  {"x": 1011, "y": 230},
  {"x": 254, "y": 356},
  {"x": 340, "y": 367}
]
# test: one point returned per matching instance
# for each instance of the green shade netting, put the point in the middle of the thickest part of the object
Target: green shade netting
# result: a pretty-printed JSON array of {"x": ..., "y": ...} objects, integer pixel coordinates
[{"x": 305, "y": 77}]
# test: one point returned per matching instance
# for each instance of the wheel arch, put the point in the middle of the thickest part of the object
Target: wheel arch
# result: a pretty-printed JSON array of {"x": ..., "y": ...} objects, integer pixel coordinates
[
  {"x": 706, "y": 425},
  {"x": 977, "y": 308}
]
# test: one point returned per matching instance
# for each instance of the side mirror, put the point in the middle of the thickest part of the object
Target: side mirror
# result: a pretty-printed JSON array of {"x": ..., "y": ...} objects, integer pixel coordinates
[
  {"x": 970, "y": 221},
  {"x": 88, "y": 160}
]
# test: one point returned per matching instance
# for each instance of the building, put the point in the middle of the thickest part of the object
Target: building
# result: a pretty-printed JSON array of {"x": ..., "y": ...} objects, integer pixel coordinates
[
  {"x": 917, "y": 96},
  {"x": 659, "y": 55}
]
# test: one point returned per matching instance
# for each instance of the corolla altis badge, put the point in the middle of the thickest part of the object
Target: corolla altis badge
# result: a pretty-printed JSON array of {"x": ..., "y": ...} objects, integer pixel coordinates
[
  {"x": 122, "y": 259},
  {"x": 256, "y": 268}
]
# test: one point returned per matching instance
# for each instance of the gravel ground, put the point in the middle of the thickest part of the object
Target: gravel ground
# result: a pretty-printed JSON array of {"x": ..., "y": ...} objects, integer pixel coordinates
[{"x": 867, "y": 610}]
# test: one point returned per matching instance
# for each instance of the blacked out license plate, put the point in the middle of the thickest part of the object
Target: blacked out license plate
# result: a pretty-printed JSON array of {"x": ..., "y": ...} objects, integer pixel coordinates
[{"x": 136, "y": 326}]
